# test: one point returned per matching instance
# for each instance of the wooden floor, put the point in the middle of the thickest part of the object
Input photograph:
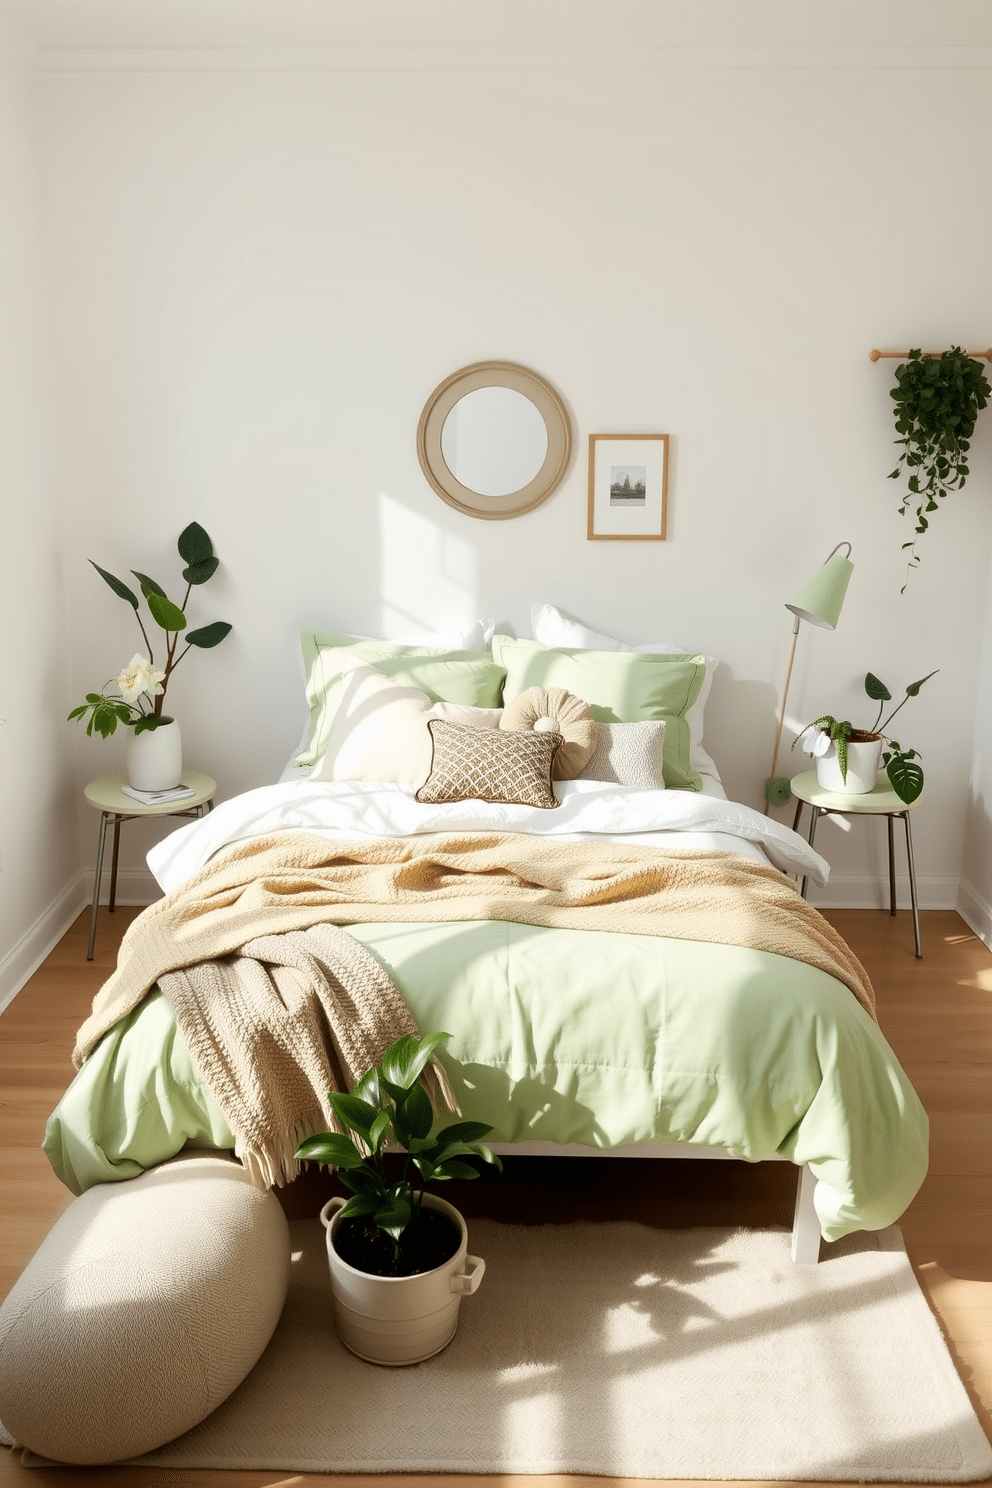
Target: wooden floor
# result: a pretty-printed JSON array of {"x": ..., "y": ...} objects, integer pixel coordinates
[{"x": 936, "y": 1014}]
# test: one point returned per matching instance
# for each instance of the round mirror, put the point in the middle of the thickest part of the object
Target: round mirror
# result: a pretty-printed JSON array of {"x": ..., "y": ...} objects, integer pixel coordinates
[{"x": 494, "y": 440}]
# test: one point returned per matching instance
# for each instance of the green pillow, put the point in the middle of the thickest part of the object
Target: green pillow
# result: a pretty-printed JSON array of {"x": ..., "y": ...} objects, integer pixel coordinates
[
  {"x": 470, "y": 677},
  {"x": 619, "y": 686}
]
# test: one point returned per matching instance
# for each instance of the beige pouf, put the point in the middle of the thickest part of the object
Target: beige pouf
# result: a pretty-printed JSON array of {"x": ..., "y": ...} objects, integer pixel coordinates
[{"x": 144, "y": 1307}]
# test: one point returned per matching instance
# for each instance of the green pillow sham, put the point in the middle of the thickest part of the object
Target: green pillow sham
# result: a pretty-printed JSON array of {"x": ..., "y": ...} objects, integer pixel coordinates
[
  {"x": 470, "y": 677},
  {"x": 619, "y": 686}
]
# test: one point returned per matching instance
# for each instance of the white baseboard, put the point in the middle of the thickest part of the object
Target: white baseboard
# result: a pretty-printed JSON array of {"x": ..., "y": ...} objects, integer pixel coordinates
[
  {"x": 134, "y": 886},
  {"x": 975, "y": 910},
  {"x": 41, "y": 938},
  {"x": 868, "y": 891}
]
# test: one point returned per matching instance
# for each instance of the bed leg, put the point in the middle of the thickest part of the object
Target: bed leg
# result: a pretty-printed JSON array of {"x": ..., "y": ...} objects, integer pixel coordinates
[{"x": 805, "y": 1225}]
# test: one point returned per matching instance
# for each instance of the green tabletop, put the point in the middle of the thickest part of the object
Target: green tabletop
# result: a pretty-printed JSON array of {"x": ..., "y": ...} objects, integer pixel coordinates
[
  {"x": 106, "y": 794},
  {"x": 879, "y": 802}
]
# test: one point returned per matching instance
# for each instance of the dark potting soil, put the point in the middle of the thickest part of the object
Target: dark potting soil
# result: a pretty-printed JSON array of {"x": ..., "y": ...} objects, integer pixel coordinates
[{"x": 426, "y": 1243}]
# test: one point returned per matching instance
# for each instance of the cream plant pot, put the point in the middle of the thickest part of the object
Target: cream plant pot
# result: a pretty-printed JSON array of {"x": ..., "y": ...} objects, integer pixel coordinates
[
  {"x": 400, "y": 1319},
  {"x": 863, "y": 756},
  {"x": 153, "y": 759}
]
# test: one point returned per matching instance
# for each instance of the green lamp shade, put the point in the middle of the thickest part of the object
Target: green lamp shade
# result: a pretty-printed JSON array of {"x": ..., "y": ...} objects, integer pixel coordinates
[{"x": 820, "y": 599}]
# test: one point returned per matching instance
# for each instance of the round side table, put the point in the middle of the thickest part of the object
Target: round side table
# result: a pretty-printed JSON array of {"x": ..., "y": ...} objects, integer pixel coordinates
[
  {"x": 115, "y": 807},
  {"x": 882, "y": 801}
]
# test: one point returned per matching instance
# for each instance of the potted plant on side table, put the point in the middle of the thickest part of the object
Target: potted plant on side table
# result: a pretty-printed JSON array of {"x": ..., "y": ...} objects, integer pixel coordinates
[
  {"x": 398, "y": 1256},
  {"x": 848, "y": 758},
  {"x": 153, "y": 756}
]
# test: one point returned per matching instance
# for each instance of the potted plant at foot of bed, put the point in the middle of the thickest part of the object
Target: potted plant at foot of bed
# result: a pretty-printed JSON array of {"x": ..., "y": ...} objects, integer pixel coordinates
[
  {"x": 848, "y": 759},
  {"x": 398, "y": 1256}
]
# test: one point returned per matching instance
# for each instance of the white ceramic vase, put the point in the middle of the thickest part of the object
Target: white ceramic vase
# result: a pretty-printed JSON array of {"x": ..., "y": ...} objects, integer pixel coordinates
[
  {"x": 153, "y": 759},
  {"x": 863, "y": 757},
  {"x": 400, "y": 1319}
]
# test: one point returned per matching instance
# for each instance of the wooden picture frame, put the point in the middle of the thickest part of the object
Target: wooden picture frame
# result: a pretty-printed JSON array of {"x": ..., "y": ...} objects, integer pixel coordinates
[{"x": 628, "y": 487}]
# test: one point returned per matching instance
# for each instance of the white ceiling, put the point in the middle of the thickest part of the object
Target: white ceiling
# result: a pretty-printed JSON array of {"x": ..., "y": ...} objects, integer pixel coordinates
[{"x": 59, "y": 25}]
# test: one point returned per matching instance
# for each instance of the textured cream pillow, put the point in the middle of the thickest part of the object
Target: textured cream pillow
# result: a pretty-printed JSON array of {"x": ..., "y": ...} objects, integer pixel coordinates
[
  {"x": 552, "y": 710},
  {"x": 379, "y": 731},
  {"x": 628, "y": 754},
  {"x": 472, "y": 764}
]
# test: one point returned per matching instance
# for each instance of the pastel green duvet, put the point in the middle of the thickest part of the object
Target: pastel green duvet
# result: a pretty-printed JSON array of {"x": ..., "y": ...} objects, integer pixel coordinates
[{"x": 574, "y": 1036}]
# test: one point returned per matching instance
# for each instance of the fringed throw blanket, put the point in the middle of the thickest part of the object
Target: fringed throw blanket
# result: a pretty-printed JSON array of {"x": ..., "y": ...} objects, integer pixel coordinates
[
  {"x": 275, "y": 1027},
  {"x": 289, "y": 882}
]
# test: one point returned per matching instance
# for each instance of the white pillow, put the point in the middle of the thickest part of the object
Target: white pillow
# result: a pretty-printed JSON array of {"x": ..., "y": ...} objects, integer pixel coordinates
[
  {"x": 477, "y": 635},
  {"x": 628, "y": 754},
  {"x": 551, "y": 628},
  {"x": 380, "y": 731}
]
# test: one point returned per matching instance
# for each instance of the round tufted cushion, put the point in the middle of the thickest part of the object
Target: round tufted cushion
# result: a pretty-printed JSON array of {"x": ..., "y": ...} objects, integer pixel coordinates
[
  {"x": 146, "y": 1304},
  {"x": 553, "y": 710}
]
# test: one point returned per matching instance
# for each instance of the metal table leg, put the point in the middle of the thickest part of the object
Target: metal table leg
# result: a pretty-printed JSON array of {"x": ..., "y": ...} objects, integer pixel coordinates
[
  {"x": 104, "y": 817},
  {"x": 113, "y": 864},
  {"x": 814, "y": 818},
  {"x": 892, "y": 868},
  {"x": 912, "y": 883}
]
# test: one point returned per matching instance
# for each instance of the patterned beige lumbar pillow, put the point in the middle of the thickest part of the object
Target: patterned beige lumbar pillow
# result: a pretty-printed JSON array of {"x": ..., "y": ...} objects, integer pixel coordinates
[
  {"x": 379, "y": 731},
  {"x": 553, "y": 710},
  {"x": 473, "y": 764},
  {"x": 628, "y": 754}
]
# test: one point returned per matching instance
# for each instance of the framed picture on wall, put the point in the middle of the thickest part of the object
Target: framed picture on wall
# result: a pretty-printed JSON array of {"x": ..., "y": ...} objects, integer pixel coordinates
[{"x": 628, "y": 487}]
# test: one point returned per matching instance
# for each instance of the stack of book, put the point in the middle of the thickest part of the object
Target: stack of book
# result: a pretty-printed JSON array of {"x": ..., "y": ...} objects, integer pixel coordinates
[{"x": 158, "y": 797}]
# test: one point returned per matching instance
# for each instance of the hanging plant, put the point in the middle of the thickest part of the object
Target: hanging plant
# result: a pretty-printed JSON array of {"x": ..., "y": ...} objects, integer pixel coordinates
[{"x": 938, "y": 399}]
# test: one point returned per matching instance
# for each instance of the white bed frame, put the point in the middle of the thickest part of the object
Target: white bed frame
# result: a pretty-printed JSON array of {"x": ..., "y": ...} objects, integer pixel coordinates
[{"x": 805, "y": 1224}]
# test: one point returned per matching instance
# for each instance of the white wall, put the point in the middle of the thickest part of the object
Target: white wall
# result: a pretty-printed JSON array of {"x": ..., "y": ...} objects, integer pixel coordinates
[
  {"x": 39, "y": 849},
  {"x": 261, "y": 269}
]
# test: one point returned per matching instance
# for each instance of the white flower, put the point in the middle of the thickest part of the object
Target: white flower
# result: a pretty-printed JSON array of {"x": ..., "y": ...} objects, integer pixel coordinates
[
  {"x": 815, "y": 741},
  {"x": 139, "y": 676}
]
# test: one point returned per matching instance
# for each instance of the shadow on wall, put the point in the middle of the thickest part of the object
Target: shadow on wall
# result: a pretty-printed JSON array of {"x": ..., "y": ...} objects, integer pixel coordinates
[{"x": 740, "y": 732}]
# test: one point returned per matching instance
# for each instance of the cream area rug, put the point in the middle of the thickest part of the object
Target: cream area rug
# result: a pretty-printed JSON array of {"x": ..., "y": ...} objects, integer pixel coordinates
[{"x": 626, "y": 1351}]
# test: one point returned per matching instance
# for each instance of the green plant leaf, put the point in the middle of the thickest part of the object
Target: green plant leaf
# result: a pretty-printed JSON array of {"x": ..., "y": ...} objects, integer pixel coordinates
[
  {"x": 194, "y": 544},
  {"x": 148, "y": 586},
  {"x": 208, "y": 635},
  {"x": 199, "y": 573},
  {"x": 914, "y": 687},
  {"x": 379, "y": 1130},
  {"x": 358, "y": 1206},
  {"x": 363, "y": 1181},
  {"x": 351, "y": 1112},
  {"x": 405, "y": 1060},
  {"x": 455, "y": 1169},
  {"x": 165, "y": 613},
  {"x": 876, "y": 690},
  {"x": 329, "y": 1147},
  {"x": 393, "y": 1216},
  {"x": 905, "y": 777},
  {"x": 121, "y": 590},
  {"x": 416, "y": 1112},
  {"x": 463, "y": 1131}
]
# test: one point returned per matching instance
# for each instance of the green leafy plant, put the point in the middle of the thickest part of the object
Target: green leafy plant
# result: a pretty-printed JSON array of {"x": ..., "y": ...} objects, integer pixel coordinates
[
  {"x": 141, "y": 686},
  {"x": 937, "y": 400},
  {"x": 902, "y": 766},
  {"x": 390, "y": 1107}
]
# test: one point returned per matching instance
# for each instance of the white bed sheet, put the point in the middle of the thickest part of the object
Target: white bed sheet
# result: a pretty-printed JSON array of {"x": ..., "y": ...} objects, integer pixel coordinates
[{"x": 671, "y": 820}]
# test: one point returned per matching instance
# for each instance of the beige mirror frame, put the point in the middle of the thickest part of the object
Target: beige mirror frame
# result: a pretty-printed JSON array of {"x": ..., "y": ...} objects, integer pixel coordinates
[{"x": 440, "y": 404}]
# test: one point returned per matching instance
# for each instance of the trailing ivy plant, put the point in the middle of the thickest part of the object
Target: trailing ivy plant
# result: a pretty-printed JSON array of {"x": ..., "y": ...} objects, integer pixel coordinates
[{"x": 938, "y": 400}]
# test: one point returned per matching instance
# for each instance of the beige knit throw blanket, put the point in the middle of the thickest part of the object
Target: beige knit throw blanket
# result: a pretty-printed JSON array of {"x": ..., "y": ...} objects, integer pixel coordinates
[
  {"x": 274, "y": 1027},
  {"x": 293, "y": 881}
]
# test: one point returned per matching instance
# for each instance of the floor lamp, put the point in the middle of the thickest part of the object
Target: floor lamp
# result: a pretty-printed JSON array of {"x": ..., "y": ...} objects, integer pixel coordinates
[{"x": 819, "y": 601}]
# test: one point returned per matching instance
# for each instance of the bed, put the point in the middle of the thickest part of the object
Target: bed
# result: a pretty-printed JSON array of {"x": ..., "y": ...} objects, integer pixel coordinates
[{"x": 570, "y": 1036}]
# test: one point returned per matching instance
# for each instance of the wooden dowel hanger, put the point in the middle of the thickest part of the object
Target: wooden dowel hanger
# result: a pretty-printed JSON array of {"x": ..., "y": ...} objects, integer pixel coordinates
[{"x": 874, "y": 355}]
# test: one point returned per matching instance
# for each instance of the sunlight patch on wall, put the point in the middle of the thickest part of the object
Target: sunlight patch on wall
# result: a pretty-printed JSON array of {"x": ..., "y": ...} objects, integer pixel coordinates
[{"x": 428, "y": 579}]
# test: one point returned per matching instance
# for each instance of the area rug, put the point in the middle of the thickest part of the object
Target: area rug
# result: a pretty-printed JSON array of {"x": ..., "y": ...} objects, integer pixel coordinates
[{"x": 626, "y": 1351}]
